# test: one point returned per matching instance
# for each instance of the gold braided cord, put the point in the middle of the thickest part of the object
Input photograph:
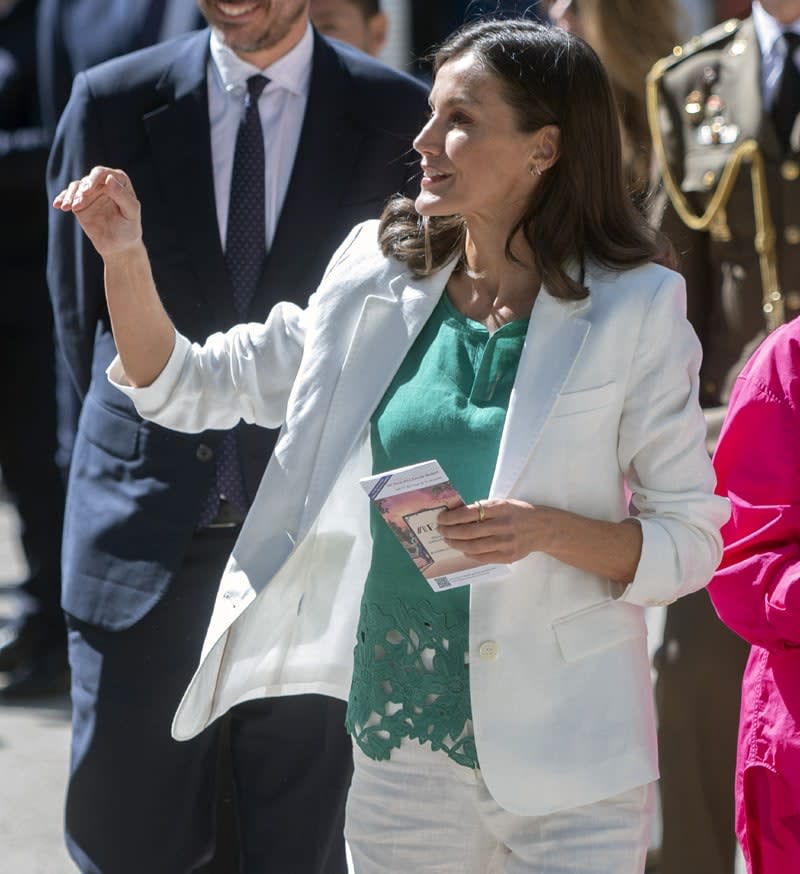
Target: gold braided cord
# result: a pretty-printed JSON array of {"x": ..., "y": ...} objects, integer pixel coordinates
[{"x": 749, "y": 151}]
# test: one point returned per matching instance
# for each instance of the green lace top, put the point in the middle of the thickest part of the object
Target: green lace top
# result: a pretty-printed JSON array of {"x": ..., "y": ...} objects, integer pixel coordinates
[{"x": 447, "y": 401}]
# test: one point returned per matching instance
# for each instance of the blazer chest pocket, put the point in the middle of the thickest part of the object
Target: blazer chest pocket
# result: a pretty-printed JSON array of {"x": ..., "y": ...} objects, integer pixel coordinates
[
  {"x": 584, "y": 401},
  {"x": 598, "y": 628}
]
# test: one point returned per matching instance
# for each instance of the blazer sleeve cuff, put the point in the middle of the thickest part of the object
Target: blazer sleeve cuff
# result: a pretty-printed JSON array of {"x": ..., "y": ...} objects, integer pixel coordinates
[
  {"x": 150, "y": 399},
  {"x": 668, "y": 568},
  {"x": 656, "y": 569}
]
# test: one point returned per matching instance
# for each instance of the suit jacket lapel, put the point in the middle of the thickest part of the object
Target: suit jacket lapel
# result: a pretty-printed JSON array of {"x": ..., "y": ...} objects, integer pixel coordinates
[
  {"x": 180, "y": 141},
  {"x": 556, "y": 335}
]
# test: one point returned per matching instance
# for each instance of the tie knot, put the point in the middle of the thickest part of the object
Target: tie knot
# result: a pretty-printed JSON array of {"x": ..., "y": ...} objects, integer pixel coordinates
[{"x": 255, "y": 85}]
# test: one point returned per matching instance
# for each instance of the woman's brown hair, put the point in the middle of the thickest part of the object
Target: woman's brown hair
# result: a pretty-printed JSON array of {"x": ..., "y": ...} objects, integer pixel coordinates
[{"x": 581, "y": 207}]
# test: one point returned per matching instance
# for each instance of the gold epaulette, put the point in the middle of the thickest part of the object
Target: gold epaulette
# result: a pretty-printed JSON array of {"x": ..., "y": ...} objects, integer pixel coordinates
[
  {"x": 748, "y": 152},
  {"x": 714, "y": 36}
]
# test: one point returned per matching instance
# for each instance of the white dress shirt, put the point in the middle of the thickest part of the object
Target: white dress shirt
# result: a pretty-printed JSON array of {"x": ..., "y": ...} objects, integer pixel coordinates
[
  {"x": 769, "y": 33},
  {"x": 282, "y": 106}
]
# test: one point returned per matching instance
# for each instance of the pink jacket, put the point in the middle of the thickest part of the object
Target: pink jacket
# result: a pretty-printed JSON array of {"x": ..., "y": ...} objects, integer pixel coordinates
[{"x": 756, "y": 590}]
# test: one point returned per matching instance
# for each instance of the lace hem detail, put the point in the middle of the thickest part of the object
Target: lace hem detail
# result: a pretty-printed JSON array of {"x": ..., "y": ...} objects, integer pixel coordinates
[{"x": 410, "y": 680}]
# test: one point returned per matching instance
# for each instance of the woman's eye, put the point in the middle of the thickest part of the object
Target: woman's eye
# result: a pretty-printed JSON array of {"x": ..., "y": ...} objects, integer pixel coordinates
[{"x": 459, "y": 118}]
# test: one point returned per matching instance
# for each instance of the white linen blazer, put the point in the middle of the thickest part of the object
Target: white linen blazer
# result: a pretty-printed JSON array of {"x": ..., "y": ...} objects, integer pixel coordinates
[{"x": 605, "y": 396}]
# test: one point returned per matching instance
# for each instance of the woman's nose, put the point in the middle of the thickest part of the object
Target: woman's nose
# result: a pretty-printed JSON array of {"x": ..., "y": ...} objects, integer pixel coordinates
[{"x": 425, "y": 140}]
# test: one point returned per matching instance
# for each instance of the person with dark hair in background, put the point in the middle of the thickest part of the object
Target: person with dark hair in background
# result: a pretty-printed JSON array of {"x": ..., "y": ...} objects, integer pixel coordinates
[
  {"x": 510, "y": 322},
  {"x": 33, "y": 649},
  {"x": 724, "y": 112},
  {"x": 254, "y": 147},
  {"x": 361, "y": 23}
]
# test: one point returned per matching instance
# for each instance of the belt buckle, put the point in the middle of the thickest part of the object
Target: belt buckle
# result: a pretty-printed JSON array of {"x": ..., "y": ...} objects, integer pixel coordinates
[{"x": 227, "y": 516}]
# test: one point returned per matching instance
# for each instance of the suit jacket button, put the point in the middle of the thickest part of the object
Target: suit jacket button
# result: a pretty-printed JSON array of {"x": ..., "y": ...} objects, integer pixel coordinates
[
  {"x": 204, "y": 452},
  {"x": 791, "y": 233},
  {"x": 790, "y": 170},
  {"x": 792, "y": 300},
  {"x": 488, "y": 650}
]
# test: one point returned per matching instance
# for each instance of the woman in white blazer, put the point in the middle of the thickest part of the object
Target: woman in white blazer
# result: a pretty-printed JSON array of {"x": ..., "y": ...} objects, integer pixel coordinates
[{"x": 513, "y": 729}]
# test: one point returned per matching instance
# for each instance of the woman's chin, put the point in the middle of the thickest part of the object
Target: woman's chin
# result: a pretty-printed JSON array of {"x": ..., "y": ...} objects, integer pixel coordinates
[{"x": 429, "y": 206}]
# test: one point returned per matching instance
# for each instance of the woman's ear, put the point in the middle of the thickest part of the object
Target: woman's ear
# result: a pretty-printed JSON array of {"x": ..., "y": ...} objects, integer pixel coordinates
[{"x": 546, "y": 147}]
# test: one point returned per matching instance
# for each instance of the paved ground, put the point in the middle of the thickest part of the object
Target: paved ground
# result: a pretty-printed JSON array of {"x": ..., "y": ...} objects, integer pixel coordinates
[{"x": 34, "y": 743}]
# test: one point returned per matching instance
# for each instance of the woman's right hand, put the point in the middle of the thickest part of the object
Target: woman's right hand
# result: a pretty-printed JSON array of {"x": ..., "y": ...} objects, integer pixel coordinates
[
  {"x": 106, "y": 207},
  {"x": 105, "y": 204}
]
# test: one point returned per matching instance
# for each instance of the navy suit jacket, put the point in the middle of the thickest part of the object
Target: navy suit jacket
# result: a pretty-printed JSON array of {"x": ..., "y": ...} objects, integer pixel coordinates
[
  {"x": 136, "y": 490},
  {"x": 74, "y": 35}
]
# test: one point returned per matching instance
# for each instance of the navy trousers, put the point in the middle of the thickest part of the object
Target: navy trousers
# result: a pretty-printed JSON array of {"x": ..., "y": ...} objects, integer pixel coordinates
[{"x": 139, "y": 801}]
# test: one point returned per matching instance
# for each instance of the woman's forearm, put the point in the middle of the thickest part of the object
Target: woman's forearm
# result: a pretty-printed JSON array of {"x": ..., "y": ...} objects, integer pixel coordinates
[
  {"x": 609, "y": 549},
  {"x": 143, "y": 332},
  {"x": 509, "y": 530}
]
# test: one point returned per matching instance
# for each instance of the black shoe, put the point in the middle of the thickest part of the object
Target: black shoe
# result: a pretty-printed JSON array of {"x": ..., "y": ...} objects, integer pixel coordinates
[
  {"x": 44, "y": 675},
  {"x": 18, "y": 643}
]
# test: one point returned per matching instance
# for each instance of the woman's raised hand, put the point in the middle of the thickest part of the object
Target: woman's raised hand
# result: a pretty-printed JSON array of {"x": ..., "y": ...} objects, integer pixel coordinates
[{"x": 106, "y": 207}]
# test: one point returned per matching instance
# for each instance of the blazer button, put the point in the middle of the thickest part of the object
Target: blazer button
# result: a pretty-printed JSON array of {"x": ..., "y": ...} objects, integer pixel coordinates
[
  {"x": 488, "y": 650},
  {"x": 204, "y": 452}
]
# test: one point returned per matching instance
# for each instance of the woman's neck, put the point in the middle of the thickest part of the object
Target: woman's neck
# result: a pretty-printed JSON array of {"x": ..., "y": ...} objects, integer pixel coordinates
[{"x": 491, "y": 288}]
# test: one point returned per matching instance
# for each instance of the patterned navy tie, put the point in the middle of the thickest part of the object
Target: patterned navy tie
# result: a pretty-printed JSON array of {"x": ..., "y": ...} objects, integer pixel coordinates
[
  {"x": 245, "y": 242},
  {"x": 245, "y": 251},
  {"x": 787, "y": 99}
]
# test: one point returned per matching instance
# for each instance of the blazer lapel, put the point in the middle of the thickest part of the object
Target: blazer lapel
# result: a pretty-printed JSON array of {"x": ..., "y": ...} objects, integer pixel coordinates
[
  {"x": 180, "y": 142},
  {"x": 556, "y": 335},
  {"x": 386, "y": 329}
]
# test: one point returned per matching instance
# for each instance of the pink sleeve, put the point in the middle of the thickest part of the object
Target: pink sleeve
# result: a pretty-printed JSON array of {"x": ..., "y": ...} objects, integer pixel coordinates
[{"x": 756, "y": 590}]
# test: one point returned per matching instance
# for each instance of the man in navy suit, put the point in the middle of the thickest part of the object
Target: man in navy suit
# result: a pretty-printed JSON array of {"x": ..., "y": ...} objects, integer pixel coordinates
[
  {"x": 37, "y": 65},
  {"x": 148, "y": 528},
  {"x": 73, "y": 35}
]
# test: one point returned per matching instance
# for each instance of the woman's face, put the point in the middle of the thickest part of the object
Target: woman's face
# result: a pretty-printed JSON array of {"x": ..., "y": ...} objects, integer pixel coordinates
[{"x": 475, "y": 162}]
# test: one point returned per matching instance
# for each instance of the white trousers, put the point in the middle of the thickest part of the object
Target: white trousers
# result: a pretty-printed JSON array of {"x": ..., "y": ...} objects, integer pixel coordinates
[{"x": 421, "y": 813}]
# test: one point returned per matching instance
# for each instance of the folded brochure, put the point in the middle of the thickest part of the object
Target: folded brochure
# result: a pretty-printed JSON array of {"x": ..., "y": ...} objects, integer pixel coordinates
[{"x": 409, "y": 499}]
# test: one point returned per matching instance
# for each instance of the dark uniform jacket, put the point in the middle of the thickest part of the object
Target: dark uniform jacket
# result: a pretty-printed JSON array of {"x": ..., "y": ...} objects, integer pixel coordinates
[{"x": 709, "y": 103}]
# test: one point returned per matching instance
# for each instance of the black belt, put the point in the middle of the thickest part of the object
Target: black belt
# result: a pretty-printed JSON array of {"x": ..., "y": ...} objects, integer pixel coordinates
[{"x": 227, "y": 516}]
